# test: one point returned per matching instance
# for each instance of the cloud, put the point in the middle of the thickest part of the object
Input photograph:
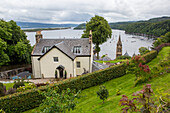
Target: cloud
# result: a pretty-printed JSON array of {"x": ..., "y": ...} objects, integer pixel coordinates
[{"x": 77, "y": 11}]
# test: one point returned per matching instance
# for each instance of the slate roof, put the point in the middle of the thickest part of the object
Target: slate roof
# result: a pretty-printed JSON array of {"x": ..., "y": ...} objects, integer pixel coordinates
[
  {"x": 126, "y": 54},
  {"x": 97, "y": 66},
  {"x": 64, "y": 45}
]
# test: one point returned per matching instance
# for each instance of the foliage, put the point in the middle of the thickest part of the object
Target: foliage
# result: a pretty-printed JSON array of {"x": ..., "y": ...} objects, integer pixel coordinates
[
  {"x": 101, "y": 31},
  {"x": 157, "y": 42},
  {"x": 142, "y": 72},
  {"x": 144, "y": 98},
  {"x": 11, "y": 91},
  {"x": 13, "y": 43},
  {"x": 3, "y": 56},
  {"x": 164, "y": 39},
  {"x": 26, "y": 87},
  {"x": 149, "y": 56},
  {"x": 2, "y": 89},
  {"x": 102, "y": 93},
  {"x": 18, "y": 83},
  {"x": 59, "y": 102},
  {"x": 158, "y": 48},
  {"x": 123, "y": 57},
  {"x": 118, "y": 91},
  {"x": 143, "y": 50}
]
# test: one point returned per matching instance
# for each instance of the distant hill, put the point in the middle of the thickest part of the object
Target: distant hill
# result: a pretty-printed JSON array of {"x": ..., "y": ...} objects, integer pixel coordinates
[
  {"x": 24, "y": 25},
  {"x": 81, "y": 26},
  {"x": 154, "y": 26}
]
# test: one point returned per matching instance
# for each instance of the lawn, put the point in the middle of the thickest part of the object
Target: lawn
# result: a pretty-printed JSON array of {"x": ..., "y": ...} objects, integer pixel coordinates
[
  {"x": 112, "y": 61},
  {"x": 10, "y": 85},
  {"x": 90, "y": 103}
]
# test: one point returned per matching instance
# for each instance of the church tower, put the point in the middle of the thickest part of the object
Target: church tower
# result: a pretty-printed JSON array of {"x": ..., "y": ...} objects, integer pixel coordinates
[{"x": 119, "y": 48}]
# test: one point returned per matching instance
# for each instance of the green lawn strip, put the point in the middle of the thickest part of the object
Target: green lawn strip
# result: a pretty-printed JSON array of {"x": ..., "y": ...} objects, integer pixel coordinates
[
  {"x": 8, "y": 85},
  {"x": 112, "y": 61}
]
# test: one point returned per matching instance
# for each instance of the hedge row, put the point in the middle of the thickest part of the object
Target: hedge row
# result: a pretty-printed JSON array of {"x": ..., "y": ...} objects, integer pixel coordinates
[
  {"x": 149, "y": 56},
  {"x": 161, "y": 46},
  {"x": 30, "y": 99},
  {"x": 23, "y": 101}
]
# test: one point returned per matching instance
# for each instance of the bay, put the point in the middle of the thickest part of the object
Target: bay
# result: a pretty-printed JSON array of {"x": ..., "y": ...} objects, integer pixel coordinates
[{"x": 129, "y": 43}]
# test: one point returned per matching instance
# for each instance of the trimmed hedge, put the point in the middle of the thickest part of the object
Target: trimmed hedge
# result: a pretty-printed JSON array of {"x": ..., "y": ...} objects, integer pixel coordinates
[
  {"x": 161, "y": 46},
  {"x": 30, "y": 99},
  {"x": 150, "y": 56}
]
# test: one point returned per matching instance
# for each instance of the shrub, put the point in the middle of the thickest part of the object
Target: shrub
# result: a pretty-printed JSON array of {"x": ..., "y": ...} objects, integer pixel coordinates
[
  {"x": 2, "y": 90},
  {"x": 65, "y": 100},
  {"x": 143, "y": 50},
  {"x": 11, "y": 91},
  {"x": 102, "y": 93},
  {"x": 144, "y": 102},
  {"x": 18, "y": 83},
  {"x": 27, "y": 87},
  {"x": 118, "y": 91}
]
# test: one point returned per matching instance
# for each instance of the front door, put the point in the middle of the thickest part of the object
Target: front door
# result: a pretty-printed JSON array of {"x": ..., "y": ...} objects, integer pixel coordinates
[{"x": 61, "y": 72}]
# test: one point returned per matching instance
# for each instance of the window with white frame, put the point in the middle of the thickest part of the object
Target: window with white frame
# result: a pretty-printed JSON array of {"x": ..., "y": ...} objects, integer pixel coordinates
[
  {"x": 45, "y": 49},
  {"x": 77, "y": 49},
  {"x": 55, "y": 59},
  {"x": 78, "y": 64}
]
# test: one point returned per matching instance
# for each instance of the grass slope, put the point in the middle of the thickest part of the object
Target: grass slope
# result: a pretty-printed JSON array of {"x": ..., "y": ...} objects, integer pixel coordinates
[{"x": 90, "y": 103}]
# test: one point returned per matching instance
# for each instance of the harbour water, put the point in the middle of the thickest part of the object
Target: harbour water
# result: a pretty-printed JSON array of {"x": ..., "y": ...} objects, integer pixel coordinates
[{"x": 129, "y": 43}]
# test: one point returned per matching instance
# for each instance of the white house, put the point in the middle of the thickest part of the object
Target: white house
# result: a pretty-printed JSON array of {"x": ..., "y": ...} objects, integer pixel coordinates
[{"x": 61, "y": 58}]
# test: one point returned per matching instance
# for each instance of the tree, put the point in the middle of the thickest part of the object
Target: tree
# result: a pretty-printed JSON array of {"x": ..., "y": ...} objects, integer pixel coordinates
[
  {"x": 143, "y": 50},
  {"x": 101, "y": 31},
  {"x": 14, "y": 46},
  {"x": 103, "y": 93},
  {"x": 3, "y": 56},
  {"x": 166, "y": 38}
]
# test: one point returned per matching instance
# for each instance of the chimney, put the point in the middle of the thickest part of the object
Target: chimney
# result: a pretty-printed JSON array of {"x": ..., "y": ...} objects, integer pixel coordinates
[
  {"x": 38, "y": 36},
  {"x": 90, "y": 36}
]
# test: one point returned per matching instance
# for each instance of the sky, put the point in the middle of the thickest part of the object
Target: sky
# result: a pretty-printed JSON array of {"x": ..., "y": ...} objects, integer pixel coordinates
[{"x": 78, "y": 11}]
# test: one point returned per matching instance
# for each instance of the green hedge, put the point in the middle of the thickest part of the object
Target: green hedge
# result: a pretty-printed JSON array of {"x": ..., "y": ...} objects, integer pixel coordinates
[
  {"x": 149, "y": 56},
  {"x": 30, "y": 99}
]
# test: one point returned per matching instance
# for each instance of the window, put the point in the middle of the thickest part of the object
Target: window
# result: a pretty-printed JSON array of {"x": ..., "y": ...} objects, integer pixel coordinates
[
  {"x": 45, "y": 49},
  {"x": 78, "y": 64},
  {"x": 55, "y": 59},
  {"x": 77, "y": 49}
]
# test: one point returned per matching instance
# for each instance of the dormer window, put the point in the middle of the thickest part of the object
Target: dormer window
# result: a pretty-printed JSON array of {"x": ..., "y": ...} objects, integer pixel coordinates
[
  {"x": 77, "y": 49},
  {"x": 45, "y": 49}
]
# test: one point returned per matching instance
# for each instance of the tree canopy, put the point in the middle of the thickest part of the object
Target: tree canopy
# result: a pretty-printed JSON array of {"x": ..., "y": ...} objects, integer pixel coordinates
[
  {"x": 101, "y": 31},
  {"x": 14, "y": 46}
]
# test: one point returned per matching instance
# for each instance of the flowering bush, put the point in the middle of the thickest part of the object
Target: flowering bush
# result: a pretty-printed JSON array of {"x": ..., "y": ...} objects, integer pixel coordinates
[
  {"x": 142, "y": 72},
  {"x": 143, "y": 102}
]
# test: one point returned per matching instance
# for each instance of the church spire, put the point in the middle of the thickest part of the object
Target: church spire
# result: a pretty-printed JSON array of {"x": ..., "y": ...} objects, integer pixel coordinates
[{"x": 119, "y": 48}]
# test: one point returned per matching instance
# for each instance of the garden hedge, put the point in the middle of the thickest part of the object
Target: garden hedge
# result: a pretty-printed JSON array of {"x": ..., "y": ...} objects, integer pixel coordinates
[
  {"x": 30, "y": 99},
  {"x": 150, "y": 55}
]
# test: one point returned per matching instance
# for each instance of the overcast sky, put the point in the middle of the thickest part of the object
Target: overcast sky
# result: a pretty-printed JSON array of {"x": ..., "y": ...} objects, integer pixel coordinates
[{"x": 78, "y": 11}]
